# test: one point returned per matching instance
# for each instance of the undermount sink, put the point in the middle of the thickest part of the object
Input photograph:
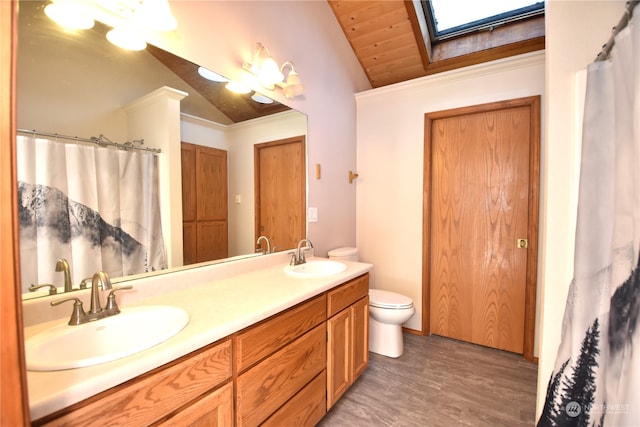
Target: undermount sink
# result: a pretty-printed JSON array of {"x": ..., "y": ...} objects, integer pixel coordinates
[
  {"x": 316, "y": 268},
  {"x": 133, "y": 330}
]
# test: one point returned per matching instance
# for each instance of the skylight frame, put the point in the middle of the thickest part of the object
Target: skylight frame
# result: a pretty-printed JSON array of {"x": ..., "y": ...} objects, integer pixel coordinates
[{"x": 486, "y": 24}]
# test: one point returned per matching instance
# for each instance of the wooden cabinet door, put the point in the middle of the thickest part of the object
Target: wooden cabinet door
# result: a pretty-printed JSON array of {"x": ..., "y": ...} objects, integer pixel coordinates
[
  {"x": 212, "y": 240},
  {"x": 189, "y": 243},
  {"x": 211, "y": 184},
  {"x": 360, "y": 332},
  {"x": 339, "y": 371},
  {"x": 213, "y": 410},
  {"x": 205, "y": 227}
]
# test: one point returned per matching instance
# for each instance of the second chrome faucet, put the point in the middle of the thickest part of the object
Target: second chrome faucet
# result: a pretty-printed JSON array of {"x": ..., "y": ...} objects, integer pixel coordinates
[
  {"x": 298, "y": 256},
  {"x": 96, "y": 311}
]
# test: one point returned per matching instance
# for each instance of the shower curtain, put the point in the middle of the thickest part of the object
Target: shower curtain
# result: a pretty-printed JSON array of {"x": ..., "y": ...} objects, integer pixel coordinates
[
  {"x": 96, "y": 207},
  {"x": 596, "y": 378}
]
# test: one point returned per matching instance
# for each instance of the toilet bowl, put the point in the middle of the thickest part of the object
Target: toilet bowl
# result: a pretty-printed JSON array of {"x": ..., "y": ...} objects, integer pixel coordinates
[{"x": 387, "y": 312}]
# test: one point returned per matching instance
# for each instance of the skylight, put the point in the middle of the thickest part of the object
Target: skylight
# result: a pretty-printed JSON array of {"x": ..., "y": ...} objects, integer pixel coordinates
[{"x": 450, "y": 18}]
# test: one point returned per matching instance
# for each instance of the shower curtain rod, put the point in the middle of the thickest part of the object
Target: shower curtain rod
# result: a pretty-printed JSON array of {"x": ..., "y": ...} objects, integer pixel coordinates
[
  {"x": 100, "y": 140},
  {"x": 606, "y": 48}
]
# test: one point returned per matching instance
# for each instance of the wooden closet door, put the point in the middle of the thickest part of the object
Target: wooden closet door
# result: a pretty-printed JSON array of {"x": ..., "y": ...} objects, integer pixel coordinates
[
  {"x": 205, "y": 226},
  {"x": 479, "y": 209},
  {"x": 280, "y": 187}
]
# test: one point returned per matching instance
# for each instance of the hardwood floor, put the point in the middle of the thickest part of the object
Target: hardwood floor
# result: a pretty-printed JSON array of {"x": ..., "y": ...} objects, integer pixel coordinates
[{"x": 440, "y": 382}]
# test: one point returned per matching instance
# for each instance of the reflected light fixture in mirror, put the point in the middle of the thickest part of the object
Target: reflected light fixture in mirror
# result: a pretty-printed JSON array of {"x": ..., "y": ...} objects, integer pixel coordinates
[
  {"x": 261, "y": 98},
  {"x": 266, "y": 71},
  {"x": 211, "y": 75},
  {"x": 236, "y": 87},
  {"x": 65, "y": 15},
  {"x": 129, "y": 18}
]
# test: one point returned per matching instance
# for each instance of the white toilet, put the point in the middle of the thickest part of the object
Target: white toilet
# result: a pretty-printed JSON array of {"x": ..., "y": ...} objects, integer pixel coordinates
[{"x": 387, "y": 312}]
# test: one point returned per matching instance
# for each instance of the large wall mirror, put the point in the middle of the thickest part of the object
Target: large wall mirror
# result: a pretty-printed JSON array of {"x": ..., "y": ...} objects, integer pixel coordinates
[{"x": 78, "y": 84}]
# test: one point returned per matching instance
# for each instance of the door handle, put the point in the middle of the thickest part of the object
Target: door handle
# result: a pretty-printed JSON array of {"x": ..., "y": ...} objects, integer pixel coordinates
[{"x": 522, "y": 243}]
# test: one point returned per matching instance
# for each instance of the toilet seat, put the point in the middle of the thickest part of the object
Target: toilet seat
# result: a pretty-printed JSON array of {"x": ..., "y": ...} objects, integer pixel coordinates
[{"x": 389, "y": 300}]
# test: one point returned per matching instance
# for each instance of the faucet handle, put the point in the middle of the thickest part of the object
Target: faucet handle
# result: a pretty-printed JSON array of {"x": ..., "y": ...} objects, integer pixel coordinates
[
  {"x": 52, "y": 288},
  {"x": 294, "y": 259},
  {"x": 78, "y": 312},
  {"x": 111, "y": 305},
  {"x": 83, "y": 282}
]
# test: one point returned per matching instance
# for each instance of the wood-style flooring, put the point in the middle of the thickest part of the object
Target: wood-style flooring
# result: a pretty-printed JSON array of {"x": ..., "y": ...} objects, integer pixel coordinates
[{"x": 440, "y": 382}]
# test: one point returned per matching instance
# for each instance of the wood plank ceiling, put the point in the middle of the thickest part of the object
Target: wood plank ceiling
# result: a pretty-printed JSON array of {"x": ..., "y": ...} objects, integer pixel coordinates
[{"x": 387, "y": 39}]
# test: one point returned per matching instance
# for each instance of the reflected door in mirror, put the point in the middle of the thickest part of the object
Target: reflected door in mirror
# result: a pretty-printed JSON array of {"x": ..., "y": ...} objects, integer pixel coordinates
[
  {"x": 204, "y": 203},
  {"x": 280, "y": 175}
]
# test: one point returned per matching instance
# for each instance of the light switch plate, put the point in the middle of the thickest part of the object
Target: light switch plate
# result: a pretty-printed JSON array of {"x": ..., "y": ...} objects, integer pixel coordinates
[{"x": 313, "y": 214}]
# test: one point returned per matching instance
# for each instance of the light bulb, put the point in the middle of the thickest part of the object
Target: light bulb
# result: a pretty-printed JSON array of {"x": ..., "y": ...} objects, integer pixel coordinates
[
  {"x": 68, "y": 16},
  {"x": 237, "y": 87},
  {"x": 126, "y": 38}
]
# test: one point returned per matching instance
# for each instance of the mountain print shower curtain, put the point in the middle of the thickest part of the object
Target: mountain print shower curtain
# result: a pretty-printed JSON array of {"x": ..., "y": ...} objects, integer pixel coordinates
[
  {"x": 596, "y": 378},
  {"x": 96, "y": 207}
]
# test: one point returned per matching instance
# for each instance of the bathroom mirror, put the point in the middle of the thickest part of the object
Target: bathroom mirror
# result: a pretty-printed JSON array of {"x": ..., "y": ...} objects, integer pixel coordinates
[{"x": 76, "y": 83}]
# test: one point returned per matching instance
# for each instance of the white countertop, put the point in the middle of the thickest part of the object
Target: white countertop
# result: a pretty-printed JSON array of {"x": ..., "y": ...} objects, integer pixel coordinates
[{"x": 222, "y": 300}]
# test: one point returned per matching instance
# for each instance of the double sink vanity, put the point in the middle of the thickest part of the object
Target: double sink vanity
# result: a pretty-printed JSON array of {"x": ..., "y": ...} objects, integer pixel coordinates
[{"x": 253, "y": 342}]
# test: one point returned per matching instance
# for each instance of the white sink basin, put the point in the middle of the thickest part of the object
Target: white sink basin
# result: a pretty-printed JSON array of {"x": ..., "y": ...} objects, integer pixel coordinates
[
  {"x": 133, "y": 330},
  {"x": 316, "y": 268}
]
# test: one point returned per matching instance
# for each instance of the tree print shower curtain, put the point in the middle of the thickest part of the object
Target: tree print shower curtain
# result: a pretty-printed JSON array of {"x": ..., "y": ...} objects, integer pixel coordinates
[
  {"x": 96, "y": 207},
  {"x": 596, "y": 378}
]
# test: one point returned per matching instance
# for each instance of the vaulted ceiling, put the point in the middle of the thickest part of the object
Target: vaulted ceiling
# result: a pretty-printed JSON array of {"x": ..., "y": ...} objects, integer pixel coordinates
[
  {"x": 388, "y": 38},
  {"x": 390, "y": 41}
]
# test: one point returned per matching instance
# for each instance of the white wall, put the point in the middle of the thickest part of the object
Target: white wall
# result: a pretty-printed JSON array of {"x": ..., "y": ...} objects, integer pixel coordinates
[
  {"x": 575, "y": 31},
  {"x": 221, "y": 35},
  {"x": 390, "y": 151}
]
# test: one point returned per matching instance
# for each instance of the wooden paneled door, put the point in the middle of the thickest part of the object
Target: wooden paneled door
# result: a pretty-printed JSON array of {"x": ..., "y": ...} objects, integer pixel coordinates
[
  {"x": 481, "y": 219},
  {"x": 204, "y": 203},
  {"x": 280, "y": 191}
]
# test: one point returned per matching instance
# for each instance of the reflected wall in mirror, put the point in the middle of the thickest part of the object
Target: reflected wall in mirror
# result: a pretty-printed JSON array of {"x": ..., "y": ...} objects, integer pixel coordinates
[{"x": 79, "y": 84}]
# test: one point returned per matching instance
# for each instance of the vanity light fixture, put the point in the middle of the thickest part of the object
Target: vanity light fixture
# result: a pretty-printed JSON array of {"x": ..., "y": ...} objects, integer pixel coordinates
[
  {"x": 67, "y": 16},
  {"x": 236, "y": 87},
  {"x": 233, "y": 86},
  {"x": 266, "y": 71},
  {"x": 127, "y": 38},
  {"x": 130, "y": 19},
  {"x": 293, "y": 86}
]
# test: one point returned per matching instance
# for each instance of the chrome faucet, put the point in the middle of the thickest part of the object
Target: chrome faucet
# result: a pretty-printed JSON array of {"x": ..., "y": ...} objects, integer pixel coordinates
[
  {"x": 266, "y": 239},
  {"x": 63, "y": 265},
  {"x": 100, "y": 278},
  {"x": 78, "y": 316},
  {"x": 298, "y": 257}
]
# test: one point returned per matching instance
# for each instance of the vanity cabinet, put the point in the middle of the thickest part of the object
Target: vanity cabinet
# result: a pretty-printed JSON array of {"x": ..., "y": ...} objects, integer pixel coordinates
[
  {"x": 280, "y": 365},
  {"x": 190, "y": 381},
  {"x": 286, "y": 370},
  {"x": 348, "y": 336}
]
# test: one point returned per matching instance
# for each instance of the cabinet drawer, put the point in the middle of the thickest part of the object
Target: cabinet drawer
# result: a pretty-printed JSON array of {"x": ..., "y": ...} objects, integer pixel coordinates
[
  {"x": 215, "y": 409},
  {"x": 261, "y": 340},
  {"x": 268, "y": 385},
  {"x": 306, "y": 408},
  {"x": 152, "y": 396},
  {"x": 345, "y": 295}
]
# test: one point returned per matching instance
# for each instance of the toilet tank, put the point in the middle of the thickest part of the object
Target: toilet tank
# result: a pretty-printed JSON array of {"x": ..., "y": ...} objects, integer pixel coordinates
[{"x": 344, "y": 254}]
